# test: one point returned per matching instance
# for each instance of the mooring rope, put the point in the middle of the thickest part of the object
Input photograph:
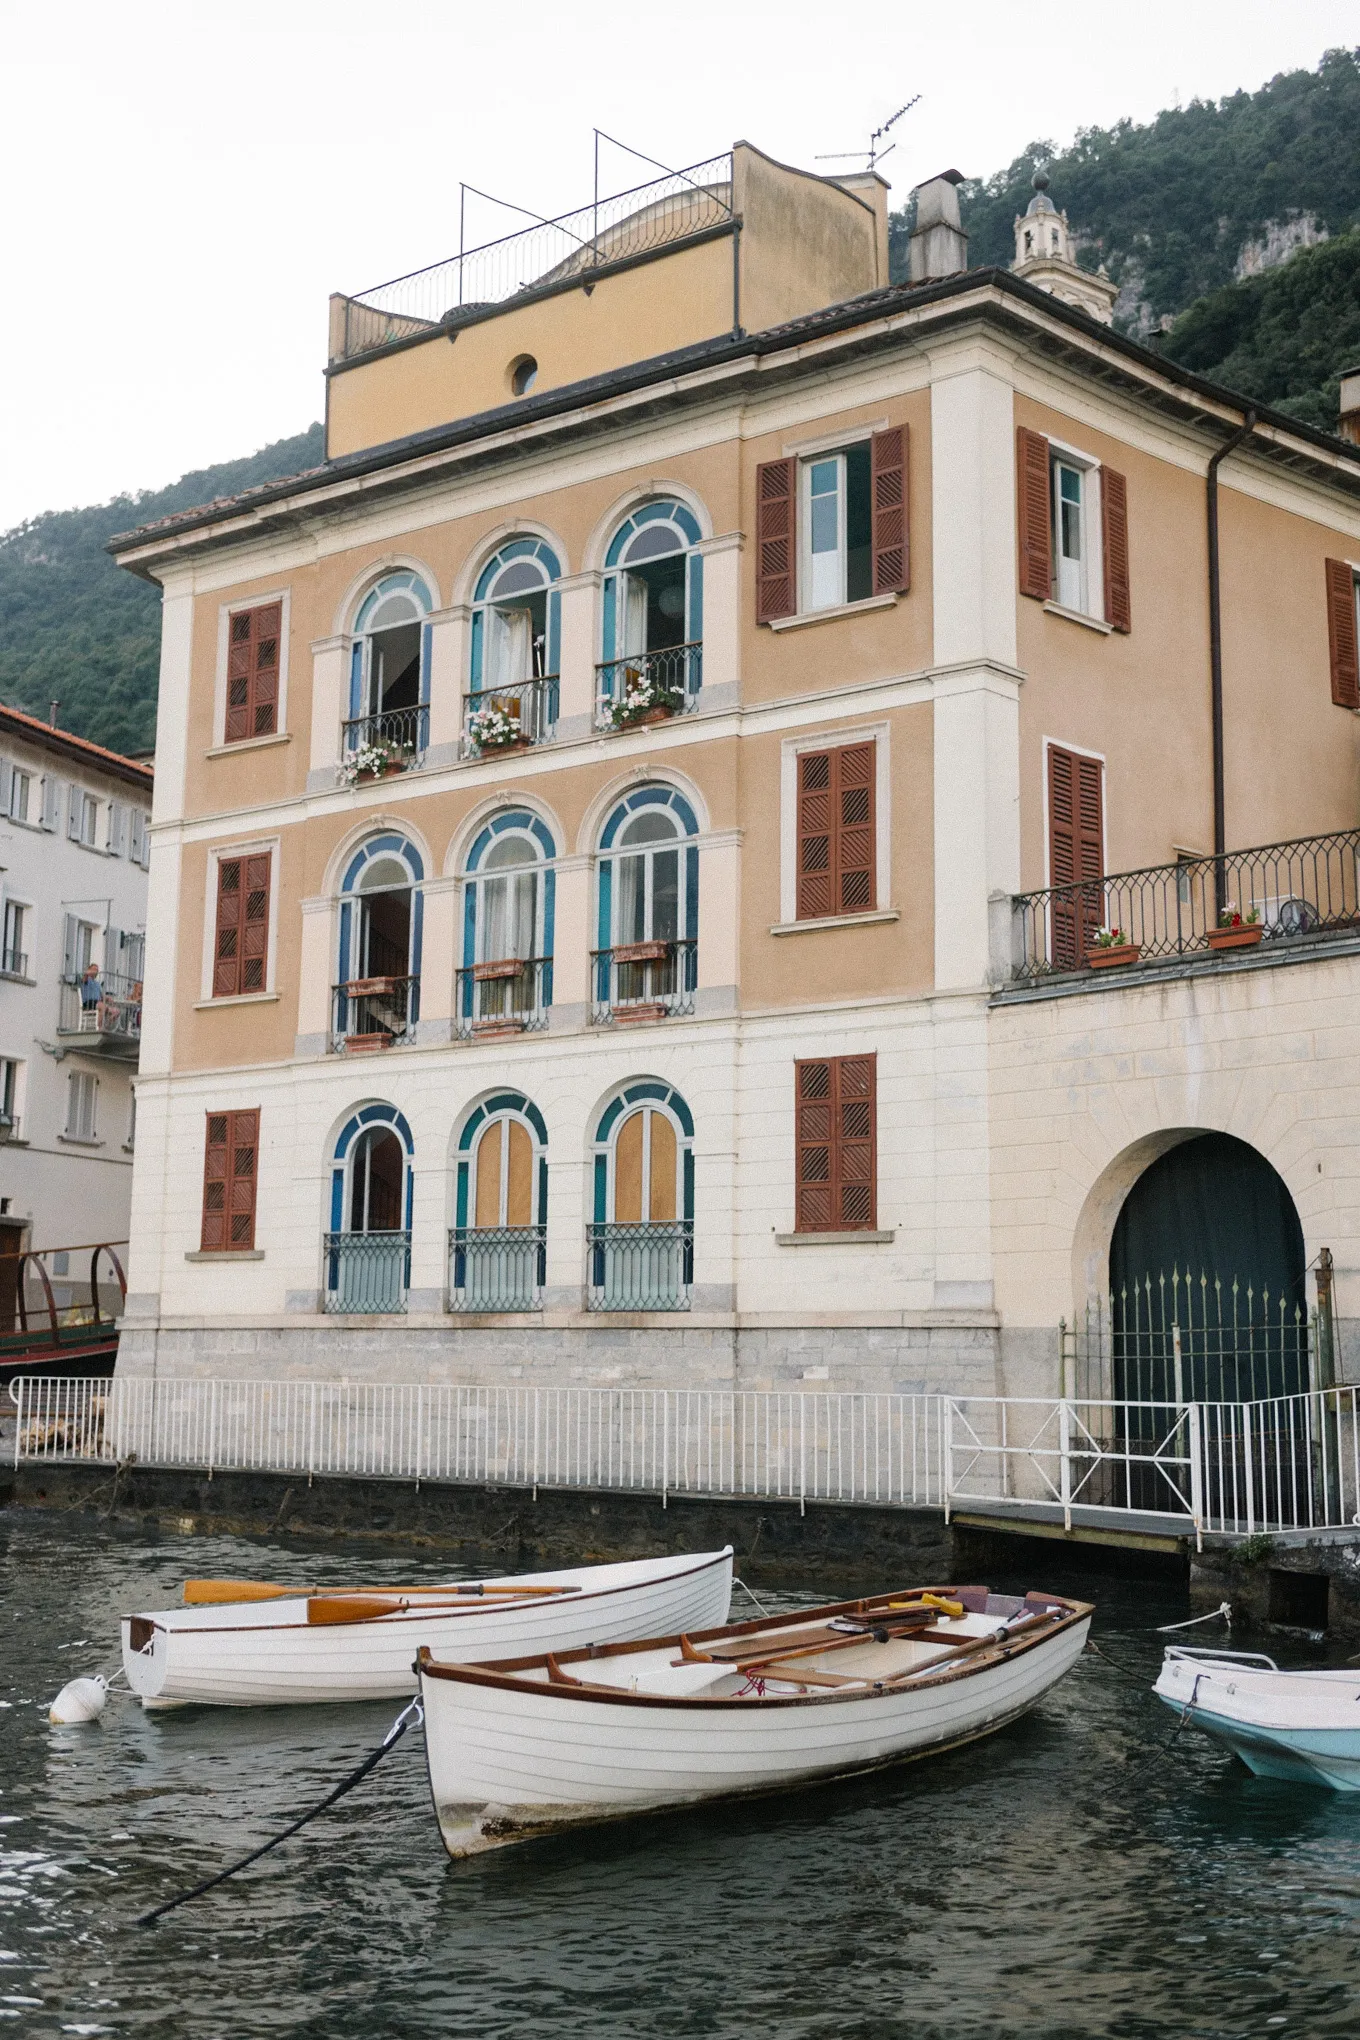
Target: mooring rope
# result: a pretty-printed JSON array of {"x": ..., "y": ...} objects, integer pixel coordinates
[
  {"x": 761, "y": 1610},
  {"x": 412, "y": 1712},
  {"x": 1224, "y": 1609}
]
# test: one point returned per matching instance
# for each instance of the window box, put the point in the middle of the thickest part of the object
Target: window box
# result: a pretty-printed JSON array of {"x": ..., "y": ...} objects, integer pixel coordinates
[
  {"x": 652, "y": 1009},
  {"x": 1113, "y": 954},
  {"x": 360, "y": 1044},
  {"x": 1245, "y": 936},
  {"x": 642, "y": 952},
  {"x": 502, "y": 967},
  {"x": 358, "y": 986},
  {"x": 501, "y": 1024}
]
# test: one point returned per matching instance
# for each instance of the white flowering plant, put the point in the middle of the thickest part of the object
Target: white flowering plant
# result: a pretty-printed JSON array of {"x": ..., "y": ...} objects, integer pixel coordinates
[
  {"x": 372, "y": 761},
  {"x": 493, "y": 729},
  {"x": 640, "y": 697}
]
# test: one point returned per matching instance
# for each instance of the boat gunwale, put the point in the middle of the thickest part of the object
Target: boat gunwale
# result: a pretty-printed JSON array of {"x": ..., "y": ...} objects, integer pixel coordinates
[
  {"x": 577, "y": 1597},
  {"x": 502, "y": 1674}
]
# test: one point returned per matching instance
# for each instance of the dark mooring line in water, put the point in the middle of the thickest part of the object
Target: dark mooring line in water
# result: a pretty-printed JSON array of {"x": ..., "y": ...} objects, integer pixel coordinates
[{"x": 411, "y": 1712}]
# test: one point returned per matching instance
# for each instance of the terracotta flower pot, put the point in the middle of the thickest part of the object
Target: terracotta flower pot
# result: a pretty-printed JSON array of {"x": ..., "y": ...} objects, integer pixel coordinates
[
  {"x": 359, "y": 1043},
  {"x": 1244, "y": 937},
  {"x": 1111, "y": 954}
]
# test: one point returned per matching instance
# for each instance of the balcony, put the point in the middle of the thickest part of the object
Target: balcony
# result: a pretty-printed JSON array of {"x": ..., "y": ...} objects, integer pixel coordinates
[
  {"x": 638, "y": 981},
  {"x": 367, "y": 1274},
  {"x": 374, "y": 1013},
  {"x": 379, "y": 746},
  {"x": 497, "y": 1268},
  {"x": 648, "y": 687},
  {"x": 501, "y": 720},
  {"x": 1281, "y": 900},
  {"x": 511, "y": 996},
  {"x": 13, "y": 963},
  {"x": 646, "y": 1266},
  {"x": 105, "y": 1012}
]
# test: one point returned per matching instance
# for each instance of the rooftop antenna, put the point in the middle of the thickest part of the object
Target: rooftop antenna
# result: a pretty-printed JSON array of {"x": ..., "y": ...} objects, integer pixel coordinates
[{"x": 873, "y": 152}]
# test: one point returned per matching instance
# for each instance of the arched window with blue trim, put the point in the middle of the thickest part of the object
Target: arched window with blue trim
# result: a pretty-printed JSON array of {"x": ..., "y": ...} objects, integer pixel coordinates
[
  {"x": 516, "y": 648},
  {"x": 498, "y": 1245},
  {"x": 509, "y": 898},
  {"x": 389, "y": 676},
  {"x": 368, "y": 1247},
  {"x": 377, "y": 994},
  {"x": 652, "y": 616},
  {"x": 641, "y": 1237},
  {"x": 648, "y": 907}
]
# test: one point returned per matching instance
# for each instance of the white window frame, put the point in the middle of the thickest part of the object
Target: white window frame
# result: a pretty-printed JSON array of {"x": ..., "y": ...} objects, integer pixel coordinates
[
  {"x": 224, "y": 615},
  {"x": 82, "y": 1085},
  {"x": 268, "y": 847},
  {"x": 806, "y": 557},
  {"x": 19, "y": 776},
  {"x": 1092, "y": 605},
  {"x": 13, "y": 1074},
  {"x": 50, "y": 803},
  {"x": 879, "y": 735},
  {"x": 12, "y": 904},
  {"x": 83, "y": 817}
]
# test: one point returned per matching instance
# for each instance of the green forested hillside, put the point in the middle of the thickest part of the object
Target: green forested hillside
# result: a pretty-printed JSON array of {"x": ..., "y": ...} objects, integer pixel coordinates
[
  {"x": 1171, "y": 207},
  {"x": 77, "y": 629}
]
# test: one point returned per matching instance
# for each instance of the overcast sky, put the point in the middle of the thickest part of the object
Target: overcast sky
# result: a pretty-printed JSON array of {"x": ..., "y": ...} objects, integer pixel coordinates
[{"x": 185, "y": 184}]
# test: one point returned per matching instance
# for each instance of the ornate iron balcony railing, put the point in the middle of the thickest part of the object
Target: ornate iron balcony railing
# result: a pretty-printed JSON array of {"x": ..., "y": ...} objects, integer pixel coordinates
[
  {"x": 642, "y": 981},
  {"x": 527, "y": 713},
  {"x": 660, "y": 684},
  {"x": 1302, "y": 893},
  {"x": 511, "y": 996},
  {"x": 367, "y": 1274},
  {"x": 401, "y": 734},
  {"x": 375, "y": 1012},
  {"x": 646, "y": 1266},
  {"x": 496, "y": 1268}
]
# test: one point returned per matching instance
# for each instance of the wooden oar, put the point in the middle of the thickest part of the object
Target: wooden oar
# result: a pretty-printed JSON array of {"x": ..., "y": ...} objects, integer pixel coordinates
[{"x": 207, "y": 1593}]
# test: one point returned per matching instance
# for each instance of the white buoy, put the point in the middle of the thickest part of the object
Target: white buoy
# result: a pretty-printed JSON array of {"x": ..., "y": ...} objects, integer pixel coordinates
[{"x": 81, "y": 1700}]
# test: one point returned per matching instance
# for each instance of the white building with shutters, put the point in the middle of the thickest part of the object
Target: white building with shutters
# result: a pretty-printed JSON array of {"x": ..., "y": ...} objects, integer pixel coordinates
[{"x": 74, "y": 849}]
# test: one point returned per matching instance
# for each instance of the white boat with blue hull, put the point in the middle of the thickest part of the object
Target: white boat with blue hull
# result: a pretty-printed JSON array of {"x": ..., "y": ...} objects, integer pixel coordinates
[{"x": 1301, "y": 1726}]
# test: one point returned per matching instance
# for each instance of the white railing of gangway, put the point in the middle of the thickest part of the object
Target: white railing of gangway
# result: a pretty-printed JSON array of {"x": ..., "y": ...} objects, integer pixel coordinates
[
  {"x": 1285, "y": 1463},
  {"x": 855, "y": 1448}
]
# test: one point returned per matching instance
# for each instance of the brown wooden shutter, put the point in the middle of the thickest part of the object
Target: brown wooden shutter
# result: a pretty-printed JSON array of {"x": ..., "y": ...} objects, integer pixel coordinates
[
  {"x": 240, "y": 952},
  {"x": 1076, "y": 852},
  {"x": 1114, "y": 523},
  {"x": 1034, "y": 514},
  {"x": 1342, "y": 634},
  {"x": 888, "y": 506},
  {"x": 230, "y": 1172},
  {"x": 253, "y": 673},
  {"x": 836, "y": 831},
  {"x": 776, "y": 530},
  {"x": 836, "y": 1112}
]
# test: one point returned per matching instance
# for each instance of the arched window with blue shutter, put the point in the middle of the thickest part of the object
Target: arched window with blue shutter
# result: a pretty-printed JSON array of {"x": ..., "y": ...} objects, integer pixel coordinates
[
  {"x": 388, "y": 724},
  {"x": 497, "y": 1249},
  {"x": 652, "y": 616},
  {"x": 377, "y": 992},
  {"x": 640, "y": 1238},
  {"x": 368, "y": 1247},
  {"x": 516, "y": 648},
  {"x": 509, "y": 902},
  {"x": 647, "y": 908}
]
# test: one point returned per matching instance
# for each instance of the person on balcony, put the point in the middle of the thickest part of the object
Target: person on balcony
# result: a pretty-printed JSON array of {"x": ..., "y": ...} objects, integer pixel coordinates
[{"x": 91, "y": 988}]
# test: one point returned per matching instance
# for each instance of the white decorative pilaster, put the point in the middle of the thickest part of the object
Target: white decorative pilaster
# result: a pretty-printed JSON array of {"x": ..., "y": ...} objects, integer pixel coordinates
[
  {"x": 573, "y": 940},
  {"x": 580, "y": 649},
  {"x": 330, "y": 706},
  {"x": 316, "y": 974},
  {"x": 722, "y": 620},
  {"x": 440, "y": 917},
  {"x": 448, "y": 681},
  {"x": 719, "y": 960}
]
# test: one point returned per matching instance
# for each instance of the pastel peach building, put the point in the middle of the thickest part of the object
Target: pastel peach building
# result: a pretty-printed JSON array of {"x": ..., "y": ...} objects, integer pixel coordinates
[{"x": 701, "y": 844}]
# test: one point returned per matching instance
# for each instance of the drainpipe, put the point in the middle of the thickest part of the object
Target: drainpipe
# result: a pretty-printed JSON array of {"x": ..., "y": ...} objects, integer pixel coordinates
[{"x": 1243, "y": 433}]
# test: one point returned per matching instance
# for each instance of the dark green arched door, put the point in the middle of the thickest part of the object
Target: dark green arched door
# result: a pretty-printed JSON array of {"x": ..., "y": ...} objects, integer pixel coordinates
[{"x": 1209, "y": 1247}]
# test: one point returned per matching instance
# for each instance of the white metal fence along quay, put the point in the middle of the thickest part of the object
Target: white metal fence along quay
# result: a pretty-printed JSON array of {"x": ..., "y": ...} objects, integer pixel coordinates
[
  {"x": 1207, "y": 1468},
  {"x": 849, "y": 1448},
  {"x": 1186, "y": 1468}
]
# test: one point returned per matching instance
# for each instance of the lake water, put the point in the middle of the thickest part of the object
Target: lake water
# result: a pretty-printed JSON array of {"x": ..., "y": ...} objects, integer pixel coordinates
[{"x": 1087, "y": 1872}]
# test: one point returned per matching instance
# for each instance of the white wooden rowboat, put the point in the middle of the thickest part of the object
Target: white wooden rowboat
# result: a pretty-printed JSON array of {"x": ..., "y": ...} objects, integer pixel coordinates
[
  {"x": 273, "y": 1647},
  {"x": 1304, "y": 1726},
  {"x": 532, "y": 1746}
]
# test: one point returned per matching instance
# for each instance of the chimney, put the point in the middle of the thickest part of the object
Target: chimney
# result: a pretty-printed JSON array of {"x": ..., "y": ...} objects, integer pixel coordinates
[
  {"x": 1348, "y": 424},
  {"x": 938, "y": 245}
]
